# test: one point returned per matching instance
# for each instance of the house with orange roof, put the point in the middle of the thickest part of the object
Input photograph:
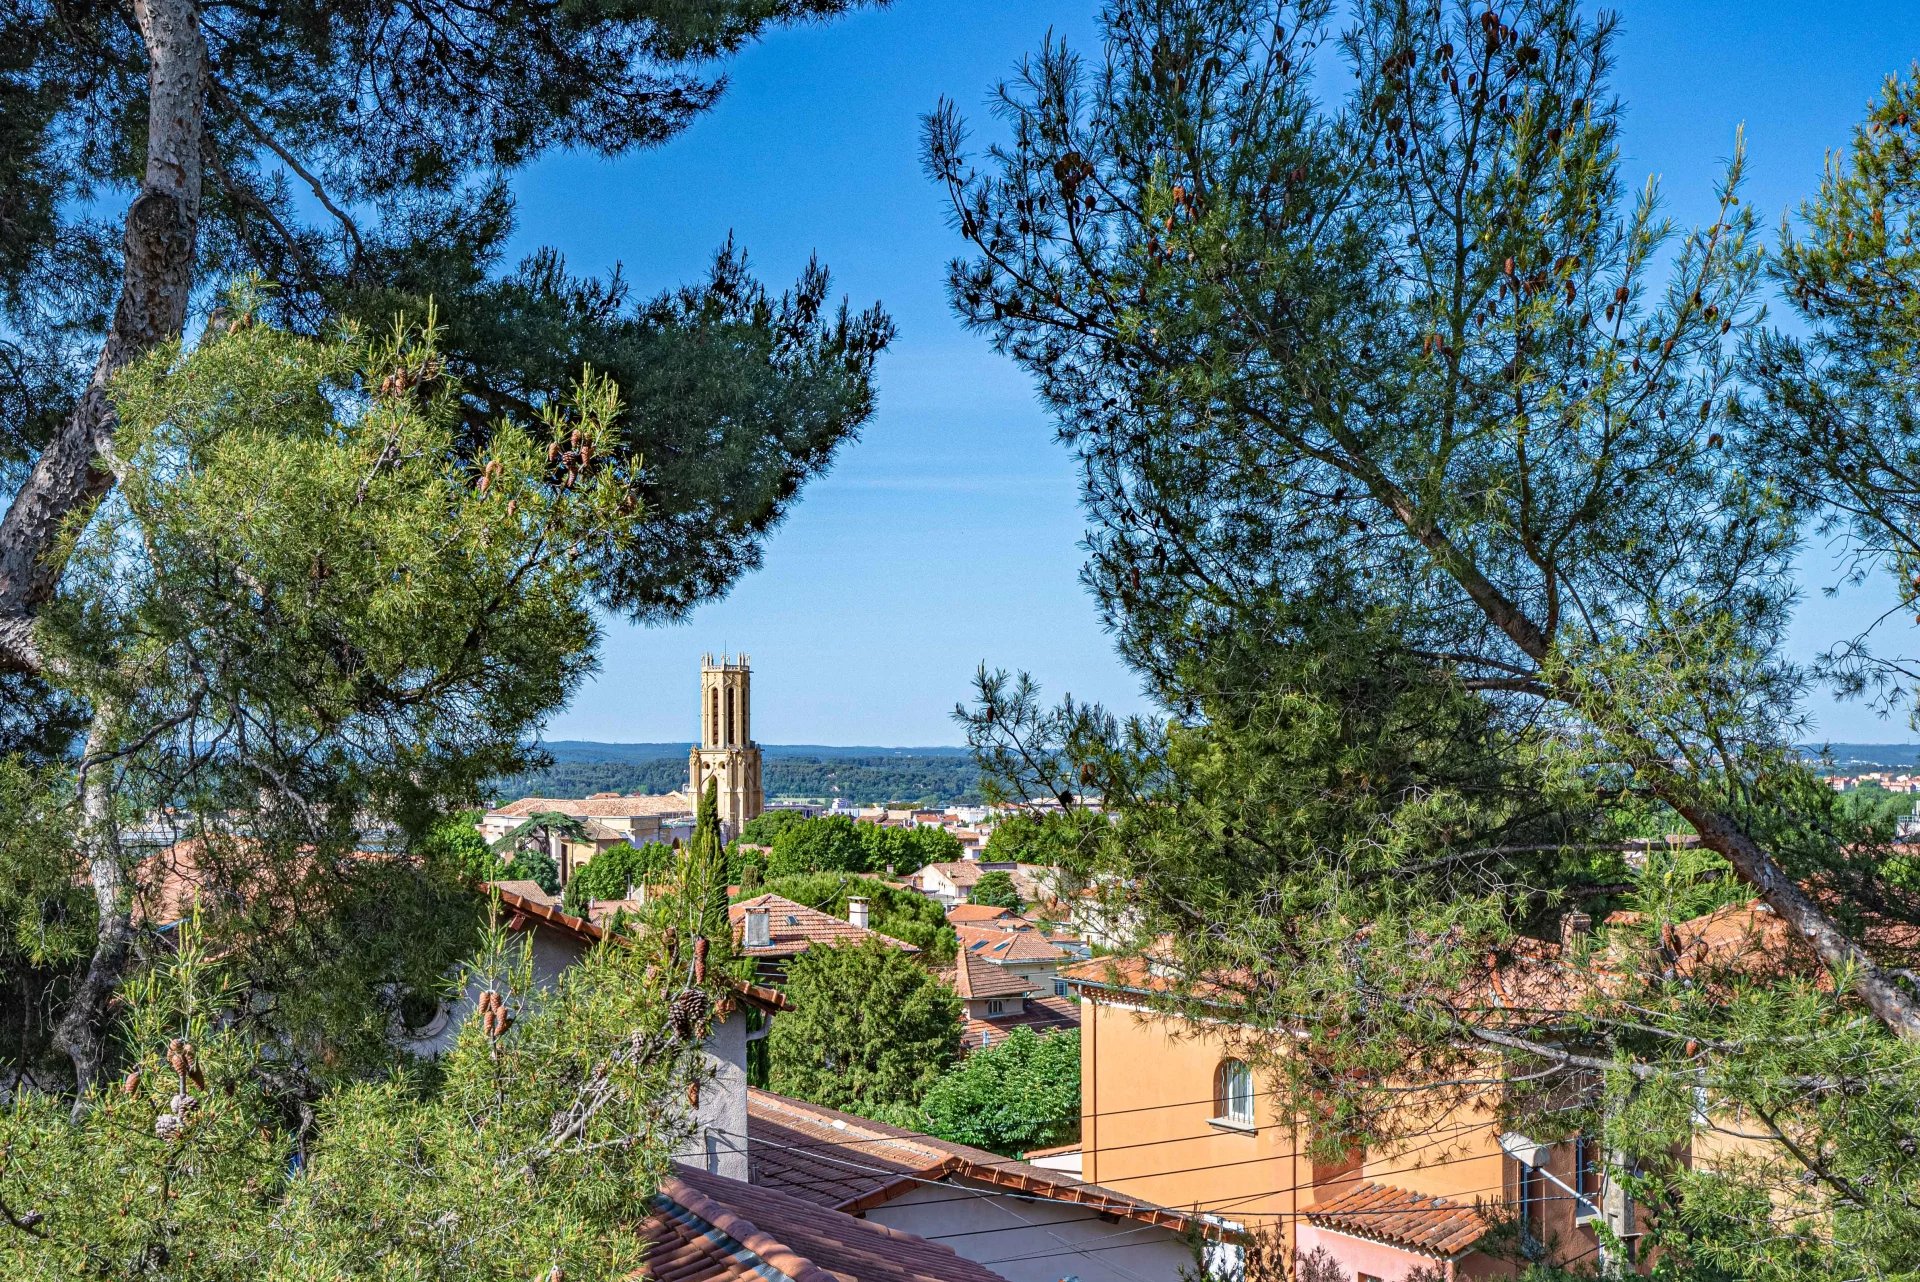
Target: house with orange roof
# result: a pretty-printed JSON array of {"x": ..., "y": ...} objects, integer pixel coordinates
[
  {"x": 1023, "y": 950},
  {"x": 1026, "y": 1223},
  {"x": 979, "y": 914},
  {"x": 772, "y": 930},
  {"x": 710, "y": 1228},
  {"x": 607, "y": 817},
  {"x": 995, "y": 1000},
  {"x": 558, "y": 940},
  {"x": 1175, "y": 1111}
]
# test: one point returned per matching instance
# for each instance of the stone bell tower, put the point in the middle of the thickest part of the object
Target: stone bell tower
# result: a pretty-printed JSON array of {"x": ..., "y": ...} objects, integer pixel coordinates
[{"x": 727, "y": 753}]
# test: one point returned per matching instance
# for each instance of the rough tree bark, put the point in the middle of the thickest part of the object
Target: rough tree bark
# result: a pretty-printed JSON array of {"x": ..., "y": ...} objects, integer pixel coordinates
[
  {"x": 81, "y": 1033},
  {"x": 157, "y": 278}
]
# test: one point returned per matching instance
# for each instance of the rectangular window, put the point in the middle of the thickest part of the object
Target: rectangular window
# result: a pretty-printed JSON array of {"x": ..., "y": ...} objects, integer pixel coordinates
[
  {"x": 1586, "y": 1166},
  {"x": 1059, "y": 988},
  {"x": 996, "y": 1007},
  {"x": 1533, "y": 1205}
]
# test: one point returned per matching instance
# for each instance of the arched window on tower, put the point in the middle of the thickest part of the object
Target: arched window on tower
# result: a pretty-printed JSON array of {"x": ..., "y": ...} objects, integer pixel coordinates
[
  {"x": 730, "y": 740},
  {"x": 713, "y": 717}
]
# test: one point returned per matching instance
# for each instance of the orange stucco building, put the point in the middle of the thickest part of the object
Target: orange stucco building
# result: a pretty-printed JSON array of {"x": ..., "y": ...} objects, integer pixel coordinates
[{"x": 1172, "y": 1114}]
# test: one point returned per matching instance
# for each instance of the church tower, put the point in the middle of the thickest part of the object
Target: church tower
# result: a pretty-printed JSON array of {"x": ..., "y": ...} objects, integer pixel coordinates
[{"x": 727, "y": 753}]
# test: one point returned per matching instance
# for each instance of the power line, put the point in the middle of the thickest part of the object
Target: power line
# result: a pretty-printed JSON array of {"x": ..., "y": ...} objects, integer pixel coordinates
[{"x": 1130, "y": 1203}]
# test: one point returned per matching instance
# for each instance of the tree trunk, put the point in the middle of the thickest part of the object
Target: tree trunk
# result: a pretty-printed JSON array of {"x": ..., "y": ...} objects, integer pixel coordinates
[
  {"x": 157, "y": 276},
  {"x": 82, "y": 1032}
]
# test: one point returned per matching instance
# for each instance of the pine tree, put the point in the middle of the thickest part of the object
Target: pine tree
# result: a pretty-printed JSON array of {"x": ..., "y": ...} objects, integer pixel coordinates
[
  {"x": 704, "y": 875},
  {"x": 1432, "y": 499}
]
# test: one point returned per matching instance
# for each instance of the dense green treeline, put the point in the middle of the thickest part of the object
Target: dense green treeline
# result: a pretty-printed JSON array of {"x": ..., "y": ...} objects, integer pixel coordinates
[{"x": 857, "y": 780}]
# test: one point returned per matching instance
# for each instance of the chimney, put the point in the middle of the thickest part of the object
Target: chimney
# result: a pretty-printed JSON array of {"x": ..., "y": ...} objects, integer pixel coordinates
[
  {"x": 756, "y": 934},
  {"x": 1576, "y": 928},
  {"x": 857, "y": 912}
]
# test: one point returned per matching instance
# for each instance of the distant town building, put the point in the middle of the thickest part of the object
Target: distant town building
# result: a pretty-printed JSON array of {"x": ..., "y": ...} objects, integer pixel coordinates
[{"x": 727, "y": 754}]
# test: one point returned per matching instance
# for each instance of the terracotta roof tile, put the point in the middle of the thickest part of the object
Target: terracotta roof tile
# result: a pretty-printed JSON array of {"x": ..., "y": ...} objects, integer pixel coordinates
[
  {"x": 1042, "y": 1014},
  {"x": 1005, "y": 946},
  {"x": 849, "y": 1163},
  {"x": 964, "y": 914},
  {"x": 976, "y": 977},
  {"x": 667, "y": 803},
  {"x": 1416, "y": 1221},
  {"x": 706, "y": 1228},
  {"x": 794, "y": 928}
]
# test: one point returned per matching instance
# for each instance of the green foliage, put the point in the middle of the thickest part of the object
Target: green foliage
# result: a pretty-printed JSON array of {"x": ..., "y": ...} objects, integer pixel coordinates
[
  {"x": 905, "y": 849},
  {"x": 301, "y": 609},
  {"x": 455, "y": 843},
  {"x": 995, "y": 890},
  {"x": 869, "y": 1027},
  {"x": 703, "y": 876},
  {"x": 1053, "y": 838},
  {"x": 836, "y": 843},
  {"x": 1445, "y": 496},
  {"x": 531, "y": 863},
  {"x": 764, "y": 828},
  {"x": 903, "y": 914},
  {"x": 191, "y": 1176},
  {"x": 735, "y": 396},
  {"x": 47, "y": 920},
  {"x": 616, "y": 870},
  {"x": 829, "y": 843},
  {"x": 1023, "y": 1092}
]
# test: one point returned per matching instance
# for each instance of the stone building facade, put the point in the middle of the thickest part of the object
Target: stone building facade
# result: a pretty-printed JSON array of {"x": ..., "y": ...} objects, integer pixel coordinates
[{"x": 727, "y": 753}]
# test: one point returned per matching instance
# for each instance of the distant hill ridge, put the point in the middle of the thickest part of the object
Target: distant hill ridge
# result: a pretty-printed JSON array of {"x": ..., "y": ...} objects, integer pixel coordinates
[
  {"x": 1851, "y": 756},
  {"x": 856, "y": 775},
  {"x": 590, "y": 750}
]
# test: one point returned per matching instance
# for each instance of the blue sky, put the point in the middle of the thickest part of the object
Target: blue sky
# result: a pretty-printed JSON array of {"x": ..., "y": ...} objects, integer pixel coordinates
[{"x": 948, "y": 535}]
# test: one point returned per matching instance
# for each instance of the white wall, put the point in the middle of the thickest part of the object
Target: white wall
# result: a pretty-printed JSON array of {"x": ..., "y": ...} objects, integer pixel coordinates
[
  {"x": 720, "y": 1144},
  {"x": 998, "y": 1227}
]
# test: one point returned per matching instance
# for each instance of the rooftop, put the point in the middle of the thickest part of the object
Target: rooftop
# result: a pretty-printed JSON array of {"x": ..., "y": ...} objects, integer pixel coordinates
[
  {"x": 848, "y": 1163},
  {"x": 706, "y": 1228},
  {"x": 1004, "y": 946},
  {"x": 794, "y": 928},
  {"x": 975, "y": 977},
  {"x": 600, "y": 807},
  {"x": 1416, "y": 1221}
]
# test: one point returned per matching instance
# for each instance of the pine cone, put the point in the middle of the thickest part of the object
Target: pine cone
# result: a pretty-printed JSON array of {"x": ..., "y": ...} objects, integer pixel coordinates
[
  {"x": 168, "y": 1127},
  {"x": 688, "y": 1008}
]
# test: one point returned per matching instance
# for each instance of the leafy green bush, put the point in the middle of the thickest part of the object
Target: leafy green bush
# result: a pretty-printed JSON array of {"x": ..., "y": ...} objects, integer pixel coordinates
[
  {"x": 996, "y": 890},
  {"x": 1019, "y": 1094},
  {"x": 609, "y": 874},
  {"x": 765, "y": 827},
  {"x": 869, "y": 1027}
]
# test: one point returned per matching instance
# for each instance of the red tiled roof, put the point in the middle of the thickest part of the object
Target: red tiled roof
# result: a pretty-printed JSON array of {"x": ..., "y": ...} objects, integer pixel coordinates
[
  {"x": 962, "y": 914},
  {"x": 849, "y": 1163},
  {"x": 523, "y": 909},
  {"x": 1042, "y": 1014},
  {"x": 794, "y": 928},
  {"x": 707, "y": 1228},
  {"x": 1005, "y": 946},
  {"x": 1416, "y": 1221},
  {"x": 976, "y": 977},
  {"x": 599, "y": 807}
]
